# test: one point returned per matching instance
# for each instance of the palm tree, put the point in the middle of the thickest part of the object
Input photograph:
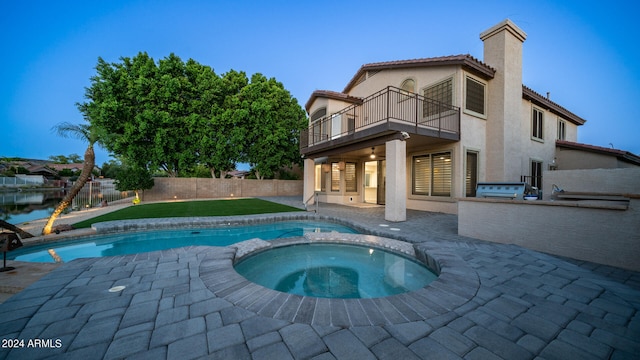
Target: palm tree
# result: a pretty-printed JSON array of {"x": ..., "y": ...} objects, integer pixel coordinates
[
  {"x": 23, "y": 234},
  {"x": 83, "y": 132}
]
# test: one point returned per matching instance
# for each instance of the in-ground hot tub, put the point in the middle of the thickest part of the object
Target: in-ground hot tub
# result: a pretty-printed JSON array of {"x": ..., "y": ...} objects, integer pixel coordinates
[{"x": 332, "y": 270}]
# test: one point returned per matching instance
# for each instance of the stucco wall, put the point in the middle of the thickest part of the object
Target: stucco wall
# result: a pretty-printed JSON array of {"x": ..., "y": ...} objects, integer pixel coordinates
[
  {"x": 597, "y": 234},
  {"x": 569, "y": 159},
  {"x": 203, "y": 188},
  {"x": 612, "y": 181}
]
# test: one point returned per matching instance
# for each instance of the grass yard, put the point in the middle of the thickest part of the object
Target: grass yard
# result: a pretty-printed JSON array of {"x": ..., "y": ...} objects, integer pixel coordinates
[{"x": 190, "y": 209}]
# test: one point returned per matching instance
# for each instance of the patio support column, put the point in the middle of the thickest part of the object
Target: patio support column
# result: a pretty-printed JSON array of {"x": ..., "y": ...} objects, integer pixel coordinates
[
  {"x": 309, "y": 182},
  {"x": 396, "y": 185}
]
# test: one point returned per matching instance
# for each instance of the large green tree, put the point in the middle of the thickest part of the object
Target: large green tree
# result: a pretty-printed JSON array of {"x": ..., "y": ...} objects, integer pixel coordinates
[
  {"x": 273, "y": 119},
  {"x": 221, "y": 136},
  {"x": 177, "y": 116}
]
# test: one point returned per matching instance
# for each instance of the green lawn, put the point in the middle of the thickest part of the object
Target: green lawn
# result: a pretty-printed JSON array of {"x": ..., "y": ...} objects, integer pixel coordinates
[{"x": 190, "y": 208}]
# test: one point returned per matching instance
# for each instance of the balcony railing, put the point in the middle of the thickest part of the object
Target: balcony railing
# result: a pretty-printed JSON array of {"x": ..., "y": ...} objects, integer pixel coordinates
[{"x": 390, "y": 105}]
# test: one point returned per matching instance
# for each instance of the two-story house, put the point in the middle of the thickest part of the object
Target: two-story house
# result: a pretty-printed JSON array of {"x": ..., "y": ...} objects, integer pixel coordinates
[{"x": 418, "y": 134}]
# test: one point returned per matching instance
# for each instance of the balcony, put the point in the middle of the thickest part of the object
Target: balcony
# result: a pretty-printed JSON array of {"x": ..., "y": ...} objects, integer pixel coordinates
[{"x": 383, "y": 113}]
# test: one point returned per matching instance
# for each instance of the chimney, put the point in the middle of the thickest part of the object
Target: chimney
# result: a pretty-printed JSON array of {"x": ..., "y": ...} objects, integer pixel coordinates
[{"x": 503, "y": 52}]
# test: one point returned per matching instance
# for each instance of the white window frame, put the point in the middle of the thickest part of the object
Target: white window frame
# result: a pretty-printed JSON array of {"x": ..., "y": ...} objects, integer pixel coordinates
[
  {"x": 562, "y": 129},
  {"x": 537, "y": 124}
]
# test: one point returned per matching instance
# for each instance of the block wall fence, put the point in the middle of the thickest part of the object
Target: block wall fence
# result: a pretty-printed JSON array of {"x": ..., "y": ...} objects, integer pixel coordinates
[{"x": 203, "y": 188}]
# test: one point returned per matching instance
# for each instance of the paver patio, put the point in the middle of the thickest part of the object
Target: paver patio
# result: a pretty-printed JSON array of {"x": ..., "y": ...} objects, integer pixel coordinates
[{"x": 501, "y": 302}]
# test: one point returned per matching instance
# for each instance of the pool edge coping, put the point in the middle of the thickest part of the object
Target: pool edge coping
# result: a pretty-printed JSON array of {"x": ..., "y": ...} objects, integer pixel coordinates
[{"x": 455, "y": 286}]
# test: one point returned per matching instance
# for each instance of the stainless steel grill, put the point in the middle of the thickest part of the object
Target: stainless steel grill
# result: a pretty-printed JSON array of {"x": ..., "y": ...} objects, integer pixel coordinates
[{"x": 505, "y": 190}]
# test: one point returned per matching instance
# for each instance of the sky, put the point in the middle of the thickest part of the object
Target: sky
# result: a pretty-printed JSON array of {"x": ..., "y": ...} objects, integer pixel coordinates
[{"x": 582, "y": 52}]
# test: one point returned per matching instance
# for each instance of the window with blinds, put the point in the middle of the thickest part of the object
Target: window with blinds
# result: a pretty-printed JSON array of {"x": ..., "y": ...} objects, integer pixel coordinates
[
  {"x": 432, "y": 174},
  {"x": 421, "y": 179},
  {"x": 351, "y": 184},
  {"x": 318, "y": 178},
  {"x": 320, "y": 113},
  {"x": 440, "y": 93},
  {"x": 441, "y": 174},
  {"x": 474, "y": 100},
  {"x": 335, "y": 177}
]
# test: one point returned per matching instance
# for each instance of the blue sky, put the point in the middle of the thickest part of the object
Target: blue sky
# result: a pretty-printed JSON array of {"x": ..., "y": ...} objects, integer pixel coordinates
[{"x": 582, "y": 52}]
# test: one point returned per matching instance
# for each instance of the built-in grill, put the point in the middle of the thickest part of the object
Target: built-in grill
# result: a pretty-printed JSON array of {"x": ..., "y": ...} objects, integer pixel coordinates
[{"x": 505, "y": 190}]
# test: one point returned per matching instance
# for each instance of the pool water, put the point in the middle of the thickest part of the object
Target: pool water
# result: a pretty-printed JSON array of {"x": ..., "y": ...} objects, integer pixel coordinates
[
  {"x": 335, "y": 271},
  {"x": 139, "y": 242}
]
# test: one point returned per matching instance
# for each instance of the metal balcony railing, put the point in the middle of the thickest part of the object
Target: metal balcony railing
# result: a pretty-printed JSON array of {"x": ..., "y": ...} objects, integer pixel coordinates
[{"x": 389, "y": 105}]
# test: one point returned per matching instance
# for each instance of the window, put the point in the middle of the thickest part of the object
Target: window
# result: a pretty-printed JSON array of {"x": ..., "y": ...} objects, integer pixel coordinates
[
  {"x": 471, "y": 174},
  {"x": 437, "y": 95},
  {"x": 562, "y": 126},
  {"x": 408, "y": 85},
  {"x": 441, "y": 164},
  {"x": 407, "y": 88},
  {"x": 351, "y": 184},
  {"x": 318, "y": 114},
  {"x": 319, "y": 127},
  {"x": 351, "y": 124},
  {"x": 335, "y": 177},
  {"x": 475, "y": 99},
  {"x": 421, "y": 175},
  {"x": 537, "y": 124},
  {"x": 432, "y": 174},
  {"x": 536, "y": 174},
  {"x": 318, "y": 180}
]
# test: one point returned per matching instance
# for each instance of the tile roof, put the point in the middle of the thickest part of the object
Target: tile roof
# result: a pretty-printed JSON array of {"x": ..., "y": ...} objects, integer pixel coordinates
[
  {"x": 620, "y": 154},
  {"x": 467, "y": 61},
  {"x": 331, "y": 95},
  {"x": 529, "y": 94},
  {"x": 58, "y": 167}
]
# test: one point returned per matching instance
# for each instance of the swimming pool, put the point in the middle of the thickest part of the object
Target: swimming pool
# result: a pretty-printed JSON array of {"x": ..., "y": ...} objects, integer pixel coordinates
[
  {"x": 139, "y": 242},
  {"x": 329, "y": 270}
]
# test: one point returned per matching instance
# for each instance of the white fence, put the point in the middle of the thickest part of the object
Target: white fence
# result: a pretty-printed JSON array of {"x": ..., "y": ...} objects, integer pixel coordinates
[
  {"x": 22, "y": 180},
  {"x": 95, "y": 192}
]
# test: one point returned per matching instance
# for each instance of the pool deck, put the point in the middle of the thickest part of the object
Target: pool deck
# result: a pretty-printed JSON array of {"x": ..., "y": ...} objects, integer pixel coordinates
[{"x": 491, "y": 301}]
